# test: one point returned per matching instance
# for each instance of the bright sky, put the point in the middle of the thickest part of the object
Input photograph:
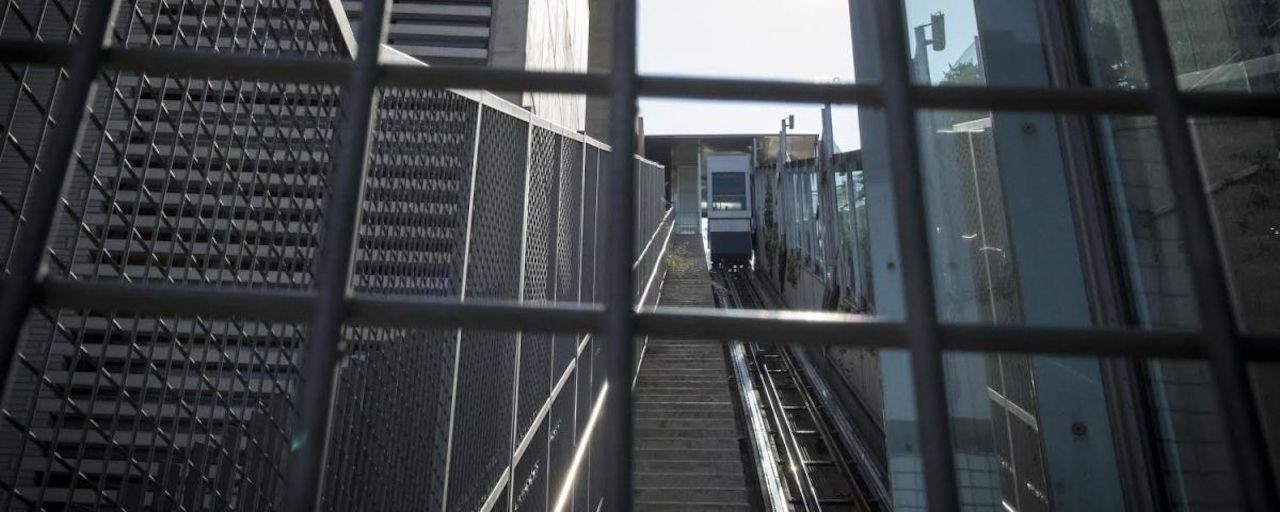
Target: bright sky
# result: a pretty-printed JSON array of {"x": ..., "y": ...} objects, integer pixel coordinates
[
  {"x": 767, "y": 39},
  {"x": 796, "y": 40}
]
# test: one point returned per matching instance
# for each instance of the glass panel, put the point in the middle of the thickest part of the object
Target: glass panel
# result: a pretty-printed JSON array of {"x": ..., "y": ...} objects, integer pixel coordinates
[
  {"x": 1158, "y": 286},
  {"x": 728, "y": 191},
  {"x": 1029, "y": 432},
  {"x": 1216, "y": 44}
]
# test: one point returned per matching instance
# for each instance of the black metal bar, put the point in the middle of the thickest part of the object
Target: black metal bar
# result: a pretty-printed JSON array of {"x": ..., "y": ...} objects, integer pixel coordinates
[
  {"x": 326, "y": 71},
  {"x": 495, "y": 79},
  {"x": 758, "y": 90},
  {"x": 1230, "y": 373},
  {"x": 310, "y": 441},
  {"x": 26, "y": 266},
  {"x": 619, "y": 327},
  {"x": 271, "y": 305},
  {"x": 922, "y": 333},
  {"x": 822, "y": 328}
]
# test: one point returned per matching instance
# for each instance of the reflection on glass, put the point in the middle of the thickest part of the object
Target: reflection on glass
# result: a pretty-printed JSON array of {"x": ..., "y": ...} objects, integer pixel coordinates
[
  {"x": 728, "y": 191},
  {"x": 1228, "y": 45},
  {"x": 1004, "y": 251}
]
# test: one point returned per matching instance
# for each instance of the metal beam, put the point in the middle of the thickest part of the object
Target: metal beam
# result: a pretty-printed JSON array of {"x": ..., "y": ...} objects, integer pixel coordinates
[
  {"x": 294, "y": 306},
  {"x": 923, "y": 341},
  {"x": 619, "y": 328},
  {"x": 319, "y": 372},
  {"x": 321, "y": 71}
]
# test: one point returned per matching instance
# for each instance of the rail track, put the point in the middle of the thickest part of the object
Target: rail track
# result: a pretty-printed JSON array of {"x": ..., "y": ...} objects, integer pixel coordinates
[{"x": 811, "y": 467}]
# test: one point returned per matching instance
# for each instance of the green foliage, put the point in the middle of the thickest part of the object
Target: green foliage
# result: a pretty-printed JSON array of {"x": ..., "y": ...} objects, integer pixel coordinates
[
  {"x": 846, "y": 305},
  {"x": 962, "y": 73},
  {"x": 677, "y": 259},
  {"x": 770, "y": 224},
  {"x": 793, "y": 267}
]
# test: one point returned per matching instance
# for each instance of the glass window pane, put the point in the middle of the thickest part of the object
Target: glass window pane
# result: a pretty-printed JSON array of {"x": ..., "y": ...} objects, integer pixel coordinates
[
  {"x": 728, "y": 191},
  {"x": 1228, "y": 45}
]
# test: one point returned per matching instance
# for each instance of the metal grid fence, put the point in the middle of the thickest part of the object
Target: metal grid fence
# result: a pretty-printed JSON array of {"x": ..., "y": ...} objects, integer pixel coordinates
[
  {"x": 331, "y": 304},
  {"x": 225, "y": 184}
]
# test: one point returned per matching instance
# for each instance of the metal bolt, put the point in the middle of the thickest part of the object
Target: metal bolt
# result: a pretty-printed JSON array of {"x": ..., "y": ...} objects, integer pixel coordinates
[
  {"x": 1078, "y": 429},
  {"x": 1028, "y": 128}
]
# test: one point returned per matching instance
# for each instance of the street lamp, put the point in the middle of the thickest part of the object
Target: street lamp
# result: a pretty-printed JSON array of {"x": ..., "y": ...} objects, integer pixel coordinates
[{"x": 788, "y": 123}]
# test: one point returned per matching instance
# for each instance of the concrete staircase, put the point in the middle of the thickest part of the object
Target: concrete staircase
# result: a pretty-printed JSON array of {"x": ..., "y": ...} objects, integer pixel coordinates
[{"x": 687, "y": 454}]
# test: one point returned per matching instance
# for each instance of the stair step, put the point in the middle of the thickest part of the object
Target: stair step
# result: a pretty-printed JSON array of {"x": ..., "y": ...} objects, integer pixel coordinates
[
  {"x": 704, "y": 495},
  {"x": 663, "y": 414},
  {"x": 688, "y": 480},
  {"x": 686, "y": 405},
  {"x": 731, "y": 433},
  {"x": 668, "y": 506},
  {"x": 692, "y": 443},
  {"x": 680, "y": 387},
  {"x": 643, "y": 452},
  {"x": 717, "y": 380},
  {"x": 722, "y": 467},
  {"x": 725, "y": 422}
]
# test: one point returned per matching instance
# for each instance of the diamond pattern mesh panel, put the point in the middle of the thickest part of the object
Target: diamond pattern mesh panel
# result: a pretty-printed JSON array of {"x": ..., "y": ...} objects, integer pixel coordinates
[
  {"x": 539, "y": 274},
  {"x": 481, "y": 447},
  {"x": 177, "y": 180},
  {"x": 560, "y": 438},
  {"x": 567, "y": 246},
  {"x": 223, "y": 183},
  {"x": 589, "y": 224},
  {"x": 395, "y": 385}
]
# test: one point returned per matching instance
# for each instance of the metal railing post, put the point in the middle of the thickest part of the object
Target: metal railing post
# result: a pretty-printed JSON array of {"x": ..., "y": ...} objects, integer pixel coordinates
[
  {"x": 27, "y": 266},
  {"x": 619, "y": 322},
  {"x": 310, "y": 443},
  {"x": 519, "y": 338},
  {"x": 922, "y": 334},
  {"x": 462, "y": 296},
  {"x": 1230, "y": 373}
]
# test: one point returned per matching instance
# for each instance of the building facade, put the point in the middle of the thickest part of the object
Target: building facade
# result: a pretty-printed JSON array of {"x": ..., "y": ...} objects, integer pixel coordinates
[{"x": 535, "y": 35}]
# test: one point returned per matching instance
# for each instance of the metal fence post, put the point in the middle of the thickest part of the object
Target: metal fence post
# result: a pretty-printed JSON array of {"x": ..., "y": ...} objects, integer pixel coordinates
[
  {"x": 619, "y": 326},
  {"x": 1230, "y": 372},
  {"x": 26, "y": 268},
  {"x": 341, "y": 220},
  {"x": 519, "y": 339},
  {"x": 917, "y": 274},
  {"x": 462, "y": 296}
]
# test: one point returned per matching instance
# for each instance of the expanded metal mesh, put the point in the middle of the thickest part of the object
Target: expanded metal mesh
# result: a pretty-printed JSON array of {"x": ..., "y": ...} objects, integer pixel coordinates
[
  {"x": 222, "y": 183},
  {"x": 177, "y": 180}
]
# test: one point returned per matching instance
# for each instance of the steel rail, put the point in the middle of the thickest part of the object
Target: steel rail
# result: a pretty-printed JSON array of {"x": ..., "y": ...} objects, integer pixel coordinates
[
  {"x": 870, "y": 478},
  {"x": 304, "y": 70},
  {"x": 805, "y": 493},
  {"x": 735, "y": 284}
]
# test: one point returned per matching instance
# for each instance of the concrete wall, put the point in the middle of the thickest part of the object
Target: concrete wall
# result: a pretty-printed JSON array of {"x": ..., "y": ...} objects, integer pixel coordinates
[
  {"x": 599, "y": 59},
  {"x": 557, "y": 41},
  {"x": 543, "y": 35}
]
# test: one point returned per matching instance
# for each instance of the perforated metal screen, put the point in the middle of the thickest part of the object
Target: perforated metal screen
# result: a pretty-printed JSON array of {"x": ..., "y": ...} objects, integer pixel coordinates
[
  {"x": 241, "y": 280},
  {"x": 225, "y": 183}
]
